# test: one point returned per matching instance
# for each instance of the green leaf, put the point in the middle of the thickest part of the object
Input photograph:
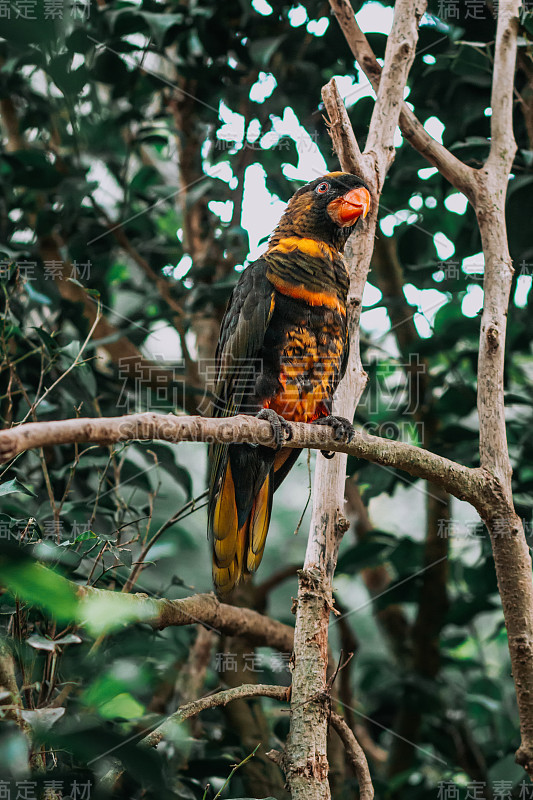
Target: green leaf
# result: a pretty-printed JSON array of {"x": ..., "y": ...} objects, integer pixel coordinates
[
  {"x": 49, "y": 341},
  {"x": 41, "y": 643},
  {"x": 85, "y": 536},
  {"x": 31, "y": 168},
  {"x": 38, "y": 585},
  {"x": 124, "y": 705},
  {"x": 102, "y": 613},
  {"x": 506, "y": 769},
  {"x": 14, "y": 485}
]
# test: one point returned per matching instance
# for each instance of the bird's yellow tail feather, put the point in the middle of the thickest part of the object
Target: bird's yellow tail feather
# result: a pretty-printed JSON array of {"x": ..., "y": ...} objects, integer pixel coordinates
[
  {"x": 238, "y": 551},
  {"x": 225, "y": 524},
  {"x": 259, "y": 522}
]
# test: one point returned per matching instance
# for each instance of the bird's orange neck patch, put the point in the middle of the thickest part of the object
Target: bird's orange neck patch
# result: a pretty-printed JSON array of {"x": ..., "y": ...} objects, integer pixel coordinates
[
  {"x": 300, "y": 292},
  {"x": 309, "y": 247}
]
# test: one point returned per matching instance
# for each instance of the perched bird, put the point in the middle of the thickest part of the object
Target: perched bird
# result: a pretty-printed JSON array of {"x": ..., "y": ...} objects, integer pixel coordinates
[{"x": 281, "y": 353}]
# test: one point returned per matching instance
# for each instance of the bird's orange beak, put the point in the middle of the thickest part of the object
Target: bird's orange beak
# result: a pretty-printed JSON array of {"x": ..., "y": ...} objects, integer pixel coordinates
[{"x": 347, "y": 209}]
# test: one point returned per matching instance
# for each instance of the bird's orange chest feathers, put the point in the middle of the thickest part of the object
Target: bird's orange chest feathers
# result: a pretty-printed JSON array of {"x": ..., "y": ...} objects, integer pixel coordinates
[
  {"x": 310, "y": 366},
  {"x": 312, "y": 324}
]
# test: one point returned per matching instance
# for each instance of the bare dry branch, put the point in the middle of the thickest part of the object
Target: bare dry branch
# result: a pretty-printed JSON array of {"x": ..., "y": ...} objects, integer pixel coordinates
[
  {"x": 486, "y": 189},
  {"x": 341, "y": 132},
  {"x": 459, "y": 175},
  {"x": 511, "y": 553},
  {"x": 205, "y": 609},
  {"x": 242, "y": 692},
  {"x": 356, "y": 756},
  {"x": 463, "y": 482}
]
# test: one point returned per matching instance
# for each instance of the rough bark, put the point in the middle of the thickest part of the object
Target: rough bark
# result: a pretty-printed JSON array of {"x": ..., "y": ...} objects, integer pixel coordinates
[
  {"x": 205, "y": 609},
  {"x": 511, "y": 553}
]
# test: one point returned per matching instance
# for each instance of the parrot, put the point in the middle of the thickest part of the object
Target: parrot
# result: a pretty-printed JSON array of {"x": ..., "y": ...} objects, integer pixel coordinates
[{"x": 282, "y": 350}]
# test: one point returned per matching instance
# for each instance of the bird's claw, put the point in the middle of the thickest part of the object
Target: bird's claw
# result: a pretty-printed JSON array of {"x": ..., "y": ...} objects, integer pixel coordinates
[
  {"x": 281, "y": 430},
  {"x": 343, "y": 428}
]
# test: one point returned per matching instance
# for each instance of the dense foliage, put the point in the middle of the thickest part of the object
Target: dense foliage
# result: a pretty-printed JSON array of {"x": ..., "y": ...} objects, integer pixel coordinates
[{"x": 142, "y": 142}]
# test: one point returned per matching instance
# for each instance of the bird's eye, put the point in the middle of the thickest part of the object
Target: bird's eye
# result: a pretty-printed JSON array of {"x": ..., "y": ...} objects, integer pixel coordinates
[{"x": 322, "y": 187}]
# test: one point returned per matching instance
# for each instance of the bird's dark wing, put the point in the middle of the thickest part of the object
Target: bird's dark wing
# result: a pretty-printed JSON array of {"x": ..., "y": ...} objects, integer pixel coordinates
[
  {"x": 242, "y": 334},
  {"x": 345, "y": 357},
  {"x": 247, "y": 317}
]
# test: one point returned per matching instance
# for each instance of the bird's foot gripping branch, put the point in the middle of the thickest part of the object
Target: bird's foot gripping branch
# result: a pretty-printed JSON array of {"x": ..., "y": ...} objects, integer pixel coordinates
[{"x": 463, "y": 482}]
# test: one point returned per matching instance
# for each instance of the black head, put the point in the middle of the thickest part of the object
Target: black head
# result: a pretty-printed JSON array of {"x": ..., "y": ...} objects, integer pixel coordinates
[{"x": 327, "y": 209}]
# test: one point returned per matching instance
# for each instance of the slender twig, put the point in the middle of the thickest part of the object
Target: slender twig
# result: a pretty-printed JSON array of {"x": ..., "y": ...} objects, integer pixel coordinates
[
  {"x": 69, "y": 369},
  {"x": 212, "y": 701},
  {"x": 184, "y": 511},
  {"x": 234, "y": 770},
  {"x": 356, "y": 756}
]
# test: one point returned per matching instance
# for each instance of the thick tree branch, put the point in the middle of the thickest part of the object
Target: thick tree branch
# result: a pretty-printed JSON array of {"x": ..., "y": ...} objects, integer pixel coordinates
[
  {"x": 463, "y": 482},
  {"x": 205, "y": 609},
  {"x": 511, "y": 553},
  {"x": 486, "y": 189},
  {"x": 305, "y": 762},
  {"x": 245, "y": 691}
]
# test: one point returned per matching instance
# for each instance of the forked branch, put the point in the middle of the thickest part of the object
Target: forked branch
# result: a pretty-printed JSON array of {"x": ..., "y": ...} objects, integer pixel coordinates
[{"x": 459, "y": 174}]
